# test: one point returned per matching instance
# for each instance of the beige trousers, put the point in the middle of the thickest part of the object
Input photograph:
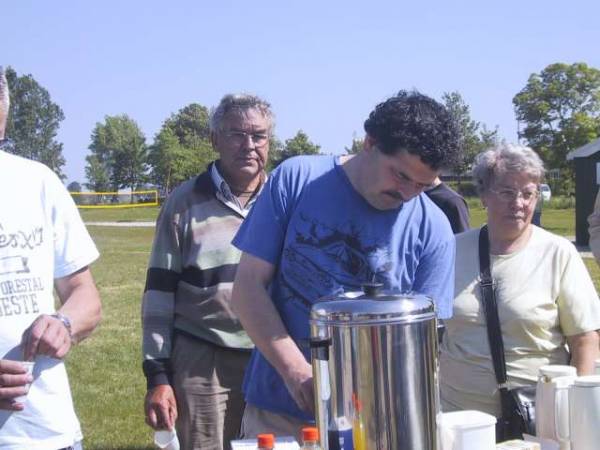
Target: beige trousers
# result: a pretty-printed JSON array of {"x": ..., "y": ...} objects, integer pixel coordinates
[{"x": 207, "y": 380}]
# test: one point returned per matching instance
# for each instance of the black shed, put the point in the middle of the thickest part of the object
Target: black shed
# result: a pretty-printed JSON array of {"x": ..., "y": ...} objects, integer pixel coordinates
[{"x": 587, "y": 179}]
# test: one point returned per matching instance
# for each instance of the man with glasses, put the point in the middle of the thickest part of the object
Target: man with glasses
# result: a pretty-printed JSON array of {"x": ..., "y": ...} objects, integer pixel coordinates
[
  {"x": 195, "y": 350},
  {"x": 327, "y": 224}
]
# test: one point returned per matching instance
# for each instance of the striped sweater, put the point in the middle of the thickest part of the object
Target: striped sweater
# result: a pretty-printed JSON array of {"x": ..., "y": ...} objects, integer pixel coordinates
[{"x": 190, "y": 275}]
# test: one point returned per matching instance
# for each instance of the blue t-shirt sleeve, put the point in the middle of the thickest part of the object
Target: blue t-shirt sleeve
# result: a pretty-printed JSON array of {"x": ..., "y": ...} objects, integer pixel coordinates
[
  {"x": 435, "y": 272},
  {"x": 262, "y": 233}
]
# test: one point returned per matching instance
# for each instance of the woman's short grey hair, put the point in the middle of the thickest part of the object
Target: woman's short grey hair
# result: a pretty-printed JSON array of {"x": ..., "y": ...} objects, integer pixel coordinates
[
  {"x": 505, "y": 158},
  {"x": 240, "y": 103}
]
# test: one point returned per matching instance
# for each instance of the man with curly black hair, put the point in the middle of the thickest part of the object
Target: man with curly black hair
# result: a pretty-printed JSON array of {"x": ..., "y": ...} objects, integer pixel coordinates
[{"x": 327, "y": 224}]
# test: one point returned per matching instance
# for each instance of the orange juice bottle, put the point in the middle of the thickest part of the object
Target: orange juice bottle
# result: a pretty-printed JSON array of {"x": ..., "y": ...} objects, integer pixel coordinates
[
  {"x": 310, "y": 439},
  {"x": 358, "y": 427},
  {"x": 265, "y": 441}
]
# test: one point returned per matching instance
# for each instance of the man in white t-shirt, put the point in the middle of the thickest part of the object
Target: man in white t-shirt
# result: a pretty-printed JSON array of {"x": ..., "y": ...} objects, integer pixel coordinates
[{"x": 43, "y": 245}]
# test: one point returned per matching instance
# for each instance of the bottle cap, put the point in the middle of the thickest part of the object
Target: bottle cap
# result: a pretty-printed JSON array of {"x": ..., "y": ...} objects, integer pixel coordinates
[
  {"x": 310, "y": 434},
  {"x": 266, "y": 440}
]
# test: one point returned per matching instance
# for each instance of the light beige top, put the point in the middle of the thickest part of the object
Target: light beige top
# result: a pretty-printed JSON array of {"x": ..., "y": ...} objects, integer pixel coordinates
[{"x": 544, "y": 293}]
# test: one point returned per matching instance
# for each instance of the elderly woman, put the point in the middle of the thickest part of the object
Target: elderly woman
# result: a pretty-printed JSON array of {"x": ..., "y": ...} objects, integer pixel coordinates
[{"x": 545, "y": 296}]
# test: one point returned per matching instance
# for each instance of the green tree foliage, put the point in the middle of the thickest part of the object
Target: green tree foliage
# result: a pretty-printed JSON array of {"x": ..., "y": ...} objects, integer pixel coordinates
[
  {"x": 33, "y": 121},
  {"x": 118, "y": 154},
  {"x": 560, "y": 110},
  {"x": 181, "y": 148},
  {"x": 474, "y": 137},
  {"x": 275, "y": 149},
  {"x": 74, "y": 186},
  {"x": 357, "y": 146},
  {"x": 96, "y": 172},
  {"x": 298, "y": 145}
]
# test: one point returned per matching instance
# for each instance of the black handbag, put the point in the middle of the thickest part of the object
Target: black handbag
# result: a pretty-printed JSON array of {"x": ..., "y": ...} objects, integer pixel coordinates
[{"x": 518, "y": 404}]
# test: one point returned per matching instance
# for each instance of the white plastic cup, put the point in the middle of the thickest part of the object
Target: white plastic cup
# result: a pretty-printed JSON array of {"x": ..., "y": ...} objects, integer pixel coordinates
[
  {"x": 468, "y": 430},
  {"x": 29, "y": 366},
  {"x": 166, "y": 439}
]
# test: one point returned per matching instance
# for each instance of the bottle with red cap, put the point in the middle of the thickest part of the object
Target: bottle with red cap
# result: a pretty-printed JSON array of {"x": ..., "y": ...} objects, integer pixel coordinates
[
  {"x": 310, "y": 439},
  {"x": 265, "y": 442}
]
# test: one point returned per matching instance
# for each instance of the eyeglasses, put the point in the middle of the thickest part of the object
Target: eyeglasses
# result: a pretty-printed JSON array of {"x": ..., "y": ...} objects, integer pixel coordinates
[
  {"x": 509, "y": 195},
  {"x": 240, "y": 137}
]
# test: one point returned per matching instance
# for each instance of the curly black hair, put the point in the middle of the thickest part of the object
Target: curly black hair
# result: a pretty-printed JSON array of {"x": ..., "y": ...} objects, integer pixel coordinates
[{"x": 418, "y": 124}]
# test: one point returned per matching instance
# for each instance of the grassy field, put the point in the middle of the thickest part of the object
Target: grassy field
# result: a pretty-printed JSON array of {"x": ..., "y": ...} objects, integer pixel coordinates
[
  {"x": 140, "y": 214},
  {"x": 105, "y": 370},
  {"x": 106, "y": 376}
]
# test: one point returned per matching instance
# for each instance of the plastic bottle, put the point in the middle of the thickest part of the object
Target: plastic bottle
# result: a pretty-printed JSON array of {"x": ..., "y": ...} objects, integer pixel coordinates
[
  {"x": 358, "y": 427},
  {"x": 340, "y": 434},
  {"x": 310, "y": 439},
  {"x": 265, "y": 441}
]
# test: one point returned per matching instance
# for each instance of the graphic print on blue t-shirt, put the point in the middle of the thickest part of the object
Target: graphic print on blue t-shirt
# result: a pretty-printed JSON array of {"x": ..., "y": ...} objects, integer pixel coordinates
[{"x": 323, "y": 260}]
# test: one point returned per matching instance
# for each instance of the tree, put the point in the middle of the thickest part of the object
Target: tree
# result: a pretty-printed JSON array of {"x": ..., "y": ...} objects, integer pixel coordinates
[
  {"x": 275, "y": 149},
  {"x": 119, "y": 154},
  {"x": 96, "y": 172},
  {"x": 181, "y": 148},
  {"x": 357, "y": 145},
  {"x": 33, "y": 122},
  {"x": 560, "y": 111},
  {"x": 474, "y": 137},
  {"x": 298, "y": 145},
  {"x": 74, "y": 186}
]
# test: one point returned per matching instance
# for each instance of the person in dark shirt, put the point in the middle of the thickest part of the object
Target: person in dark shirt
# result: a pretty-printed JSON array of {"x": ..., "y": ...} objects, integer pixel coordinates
[{"x": 452, "y": 204}]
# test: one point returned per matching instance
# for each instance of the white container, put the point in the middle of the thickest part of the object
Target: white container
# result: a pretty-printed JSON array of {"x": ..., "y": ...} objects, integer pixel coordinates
[
  {"x": 597, "y": 367},
  {"x": 518, "y": 444},
  {"x": 468, "y": 430},
  {"x": 281, "y": 443},
  {"x": 552, "y": 402},
  {"x": 584, "y": 413}
]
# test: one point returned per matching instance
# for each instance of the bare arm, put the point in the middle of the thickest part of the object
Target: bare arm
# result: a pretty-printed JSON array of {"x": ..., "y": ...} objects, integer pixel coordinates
[
  {"x": 584, "y": 351},
  {"x": 80, "y": 303},
  {"x": 259, "y": 317}
]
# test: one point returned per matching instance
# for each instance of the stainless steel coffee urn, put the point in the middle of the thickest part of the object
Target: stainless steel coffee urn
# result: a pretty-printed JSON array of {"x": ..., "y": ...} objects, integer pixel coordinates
[{"x": 374, "y": 358}]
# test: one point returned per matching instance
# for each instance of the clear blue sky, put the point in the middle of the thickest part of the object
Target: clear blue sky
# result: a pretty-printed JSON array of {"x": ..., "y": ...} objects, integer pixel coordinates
[{"x": 322, "y": 64}]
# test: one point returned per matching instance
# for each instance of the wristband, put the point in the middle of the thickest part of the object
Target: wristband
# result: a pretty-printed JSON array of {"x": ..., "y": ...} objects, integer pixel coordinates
[{"x": 65, "y": 321}]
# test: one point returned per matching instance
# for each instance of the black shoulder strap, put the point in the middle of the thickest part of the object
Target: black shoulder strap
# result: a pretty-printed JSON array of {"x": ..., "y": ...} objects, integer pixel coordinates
[{"x": 491, "y": 308}]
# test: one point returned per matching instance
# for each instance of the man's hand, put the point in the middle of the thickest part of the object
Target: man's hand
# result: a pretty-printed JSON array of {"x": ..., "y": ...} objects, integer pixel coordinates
[
  {"x": 299, "y": 382},
  {"x": 13, "y": 383},
  {"x": 48, "y": 336},
  {"x": 161, "y": 407}
]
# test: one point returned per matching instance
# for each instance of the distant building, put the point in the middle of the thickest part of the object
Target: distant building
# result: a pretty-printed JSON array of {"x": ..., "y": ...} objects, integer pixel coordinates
[{"x": 587, "y": 180}]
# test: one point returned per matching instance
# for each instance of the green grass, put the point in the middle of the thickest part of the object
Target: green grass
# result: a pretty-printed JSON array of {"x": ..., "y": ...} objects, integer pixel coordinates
[
  {"x": 139, "y": 214},
  {"x": 559, "y": 221},
  {"x": 105, "y": 370}
]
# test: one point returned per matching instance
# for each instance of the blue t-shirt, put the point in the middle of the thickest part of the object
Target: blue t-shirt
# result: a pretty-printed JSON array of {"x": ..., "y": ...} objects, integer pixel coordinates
[{"x": 324, "y": 238}]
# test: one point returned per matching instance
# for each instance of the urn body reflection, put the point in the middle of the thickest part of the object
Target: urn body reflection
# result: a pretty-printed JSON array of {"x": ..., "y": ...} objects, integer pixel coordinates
[{"x": 374, "y": 358}]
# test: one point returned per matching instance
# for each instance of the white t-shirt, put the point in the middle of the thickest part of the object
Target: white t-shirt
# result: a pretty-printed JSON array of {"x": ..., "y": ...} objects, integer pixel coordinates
[
  {"x": 42, "y": 238},
  {"x": 544, "y": 293}
]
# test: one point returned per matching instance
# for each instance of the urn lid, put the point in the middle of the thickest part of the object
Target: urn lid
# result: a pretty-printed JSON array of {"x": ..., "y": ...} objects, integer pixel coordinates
[{"x": 373, "y": 305}]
